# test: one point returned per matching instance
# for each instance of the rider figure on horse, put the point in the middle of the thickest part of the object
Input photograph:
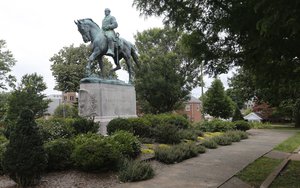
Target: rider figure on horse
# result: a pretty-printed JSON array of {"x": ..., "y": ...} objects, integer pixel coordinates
[{"x": 109, "y": 23}]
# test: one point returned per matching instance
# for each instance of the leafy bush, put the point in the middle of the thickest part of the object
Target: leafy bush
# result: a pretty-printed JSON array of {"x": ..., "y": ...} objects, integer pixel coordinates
[
  {"x": 215, "y": 125},
  {"x": 69, "y": 111},
  {"x": 83, "y": 125},
  {"x": 127, "y": 144},
  {"x": 201, "y": 149},
  {"x": 234, "y": 136},
  {"x": 55, "y": 128},
  {"x": 135, "y": 171},
  {"x": 59, "y": 154},
  {"x": 222, "y": 140},
  {"x": 176, "y": 153},
  {"x": 188, "y": 134},
  {"x": 174, "y": 119},
  {"x": 260, "y": 125},
  {"x": 167, "y": 133},
  {"x": 243, "y": 134},
  {"x": 210, "y": 143},
  {"x": 3, "y": 143},
  {"x": 141, "y": 127},
  {"x": 94, "y": 153},
  {"x": 25, "y": 141},
  {"x": 242, "y": 125},
  {"x": 119, "y": 124}
]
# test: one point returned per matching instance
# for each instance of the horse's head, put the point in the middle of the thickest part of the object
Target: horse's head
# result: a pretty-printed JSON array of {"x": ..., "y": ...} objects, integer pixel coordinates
[{"x": 84, "y": 30}]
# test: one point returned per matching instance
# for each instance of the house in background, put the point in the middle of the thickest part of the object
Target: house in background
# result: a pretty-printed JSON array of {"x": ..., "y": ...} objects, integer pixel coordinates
[
  {"x": 192, "y": 109},
  {"x": 56, "y": 100},
  {"x": 253, "y": 117}
]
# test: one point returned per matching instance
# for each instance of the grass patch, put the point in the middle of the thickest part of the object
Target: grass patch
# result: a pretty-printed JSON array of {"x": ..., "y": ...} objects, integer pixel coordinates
[
  {"x": 258, "y": 171},
  {"x": 290, "y": 144},
  {"x": 289, "y": 177}
]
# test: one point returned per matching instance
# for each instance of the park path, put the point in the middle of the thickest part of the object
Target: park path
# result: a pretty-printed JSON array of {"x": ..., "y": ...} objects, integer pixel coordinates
[{"x": 215, "y": 167}]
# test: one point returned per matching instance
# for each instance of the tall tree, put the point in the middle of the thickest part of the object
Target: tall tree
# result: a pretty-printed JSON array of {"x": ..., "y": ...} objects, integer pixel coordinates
[
  {"x": 216, "y": 103},
  {"x": 69, "y": 64},
  {"x": 27, "y": 96},
  {"x": 166, "y": 74},
  {"x": 7, "y": 61}
]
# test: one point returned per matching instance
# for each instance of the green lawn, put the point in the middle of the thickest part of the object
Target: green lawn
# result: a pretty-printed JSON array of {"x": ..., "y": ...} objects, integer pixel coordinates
[
  {"x": 290, "y": 144},
  {"x": 255, "y": 173},
  {"x": 290, "y": 177}
]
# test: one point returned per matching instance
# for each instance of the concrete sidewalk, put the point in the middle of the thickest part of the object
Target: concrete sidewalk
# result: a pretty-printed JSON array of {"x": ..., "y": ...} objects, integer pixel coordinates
[{"x": 215, "y": 167}]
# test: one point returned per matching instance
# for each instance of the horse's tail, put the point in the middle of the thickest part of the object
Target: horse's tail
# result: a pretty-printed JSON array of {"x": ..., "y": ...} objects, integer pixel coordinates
[{"x": 134, "y": 55}]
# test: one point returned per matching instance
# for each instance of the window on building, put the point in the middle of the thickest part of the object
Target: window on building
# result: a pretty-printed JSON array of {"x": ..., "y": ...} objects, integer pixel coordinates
[
  {"x": 72, "y": 98},
  {"x": 198, "y": 107},
  {"x": 188, "y": 107},
  {"x": 65, "y": 98}
]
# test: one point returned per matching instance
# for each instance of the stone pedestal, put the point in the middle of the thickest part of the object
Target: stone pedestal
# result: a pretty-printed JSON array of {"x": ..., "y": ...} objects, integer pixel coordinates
[{"x": 105, "y": 100}]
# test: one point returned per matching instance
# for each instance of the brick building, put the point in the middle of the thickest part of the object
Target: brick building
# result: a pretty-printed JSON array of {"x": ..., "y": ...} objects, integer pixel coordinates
[{"x": 192, "y": 109}]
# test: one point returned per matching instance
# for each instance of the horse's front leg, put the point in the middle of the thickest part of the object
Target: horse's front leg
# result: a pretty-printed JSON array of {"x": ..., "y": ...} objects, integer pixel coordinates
[
  {"x": 92, "y": 57},
  {"x": 100, "y": 63},
  {"x": 117, "y": 66}
]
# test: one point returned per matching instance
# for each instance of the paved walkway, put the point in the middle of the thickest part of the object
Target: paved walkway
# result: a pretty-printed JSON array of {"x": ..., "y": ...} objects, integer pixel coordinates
[{"x": 216, "y": 167}]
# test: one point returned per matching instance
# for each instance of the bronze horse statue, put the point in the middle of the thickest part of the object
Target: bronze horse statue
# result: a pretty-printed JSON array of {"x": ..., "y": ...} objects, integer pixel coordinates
[{"x": 91, "y": 32}]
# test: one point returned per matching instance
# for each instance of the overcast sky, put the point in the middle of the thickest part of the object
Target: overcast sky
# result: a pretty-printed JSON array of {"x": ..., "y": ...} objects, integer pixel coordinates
[{"x": 35, "y": 30}]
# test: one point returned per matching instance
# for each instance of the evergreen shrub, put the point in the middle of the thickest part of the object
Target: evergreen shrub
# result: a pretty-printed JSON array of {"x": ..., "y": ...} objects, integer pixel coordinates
[
  {"x": 215, "y": 125},
  {"x": 167, "y": 134},
  {"x": 131, "y": 171},
  {"x": 233, "y": 135},
  {"x": 210, "y": 143},
  {"x": 119, "y": 124},
  {"x": 141, "y": 127},
  {"x": 222, "y": 140},
  {"x": 83, "y": 125},
  {"x": 242, "y": 125}
]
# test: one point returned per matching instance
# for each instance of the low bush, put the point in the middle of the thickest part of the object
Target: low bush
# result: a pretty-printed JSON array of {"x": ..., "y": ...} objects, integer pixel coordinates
[
  {"x": 210, "y": 144},
  {"x": 141, "y": 127},
  {"x": 127, "y": 144},
  {"x": 167, "y": 133},
  {"x": 234, "y": 136},
  {"x": 119, "y": 124},
  {"x": 131, "y": 171},
  {"x": 59, "y": 154},
  {"x": 222, "y": 140},
  {"x": 92, "y": 153},
  {"x": 176, "y": 153},
  {"x": 174, "y": 119},
  {"x": 201, "y": 149},
  {"x": 55, "y": 128},
  {"x": 260, "y": 125},
  {"x": 242, "y": 125},
  {"x": 243, "y": 134},
  {"x": 83, "y": 125},
  {"x": 215, "y": 125},
  {"x": 188, "y": 134}
]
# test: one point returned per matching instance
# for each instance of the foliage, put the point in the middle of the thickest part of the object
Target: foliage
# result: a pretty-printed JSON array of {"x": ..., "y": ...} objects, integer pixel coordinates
[
  {"x": 68, "y": 67},
  {"x": 189, "y": 134},
  {"x": 222, "y": 140},
  {"x": 289, "y": 177},
  {"x": 3, "y": 143},
  {"x": 65, "y": 111},
  {"x": 27, "y": 96},
  {"x": 166, "y": 75},
  {"x": 297, "y": 113},
  {"x": 260, "y": 125},
  {"x": 119, "y": 124},
  {"x": 178, "y": 120},
  {"x": 25, "y": 141},
  {"x": 215, "y": 125},
  {"x": 259, "y": 36},
  {"x": 83, "y": 125},
  {"x": 167, "y": 133},
  {"x": 3, "y": 104},
  {"x": 59, "y": 154},
  {"x": 55, "y": 128},
  {"x": 242, "y": 125},
  {"x": 7, "y": 61},
  {"x": 216, "y": 103},
  {"x": 237, "y": 115},
  {"x": 141, "y": 127},
  {"x": 176, "y": 153},
  {"x": 135, "y": 171},
  {"x": 210, "y": 143},
  {"x": 234, "y": 136},
  {"x": 95, "y": 153},
  {"x": 127, "y": 144}
]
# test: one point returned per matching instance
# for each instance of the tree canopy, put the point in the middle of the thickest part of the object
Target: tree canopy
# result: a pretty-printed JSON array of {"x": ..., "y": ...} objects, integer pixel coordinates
[
  {"x": 69, "y": 64},
  {"x": 7, "y": 61}
]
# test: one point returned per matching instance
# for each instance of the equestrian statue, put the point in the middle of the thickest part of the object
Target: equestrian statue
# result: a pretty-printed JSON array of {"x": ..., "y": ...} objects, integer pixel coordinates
[{"x": 106, "y": 42}]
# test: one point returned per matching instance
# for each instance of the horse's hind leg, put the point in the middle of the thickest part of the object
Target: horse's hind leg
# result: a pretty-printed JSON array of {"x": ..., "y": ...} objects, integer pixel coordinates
[{"x": 128, "y": 63}]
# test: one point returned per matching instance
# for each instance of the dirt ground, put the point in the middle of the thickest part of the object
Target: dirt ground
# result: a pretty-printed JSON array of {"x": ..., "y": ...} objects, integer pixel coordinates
[{"x": 76, "y": 179}]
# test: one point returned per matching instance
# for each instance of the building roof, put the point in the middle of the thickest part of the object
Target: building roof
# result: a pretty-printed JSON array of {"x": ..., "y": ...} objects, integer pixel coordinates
[
  {"x": 194, "y": 100},
  {"x": 252, "y": 116}
]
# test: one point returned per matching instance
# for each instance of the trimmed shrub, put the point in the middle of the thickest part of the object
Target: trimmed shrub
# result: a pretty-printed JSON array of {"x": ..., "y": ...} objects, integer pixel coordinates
[
  {"x": 260, "y": 125},
  {"x": 242, "y": 134},
  {"x": 222, "y": 140},
  {"x": 167, "y": 133},
  {"x": 55, "y": 128},
  {"x": 234, "y": 136},
  {"x": 176, "y": 153},
  {"x": 215, "y": 125},
  {"x": 174, "y": 119},
  {"x": 59, "y": 154},
  {"x": 210, "y": 143},
  {"x": 141, "y": 127},
  {"x": 25, "y": 141},
  {"x": 92, "y": 153},
  {"x": 135, "y": 171},
  {"x": 188, "y": 134},
  {"x": 127, "y": 144},
  {"x": 242, "y": 125},
  {"x": 83, "y": 125},
  {"x": 67, "y": 109},
  {"x": 201, "y": 149},
  {"x": 119, "y": 124}
]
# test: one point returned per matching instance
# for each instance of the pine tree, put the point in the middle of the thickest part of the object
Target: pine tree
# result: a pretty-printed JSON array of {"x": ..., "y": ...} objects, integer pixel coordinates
[
  {"x": 237, "y": 115},
  {"x": 25, "y": 158}
]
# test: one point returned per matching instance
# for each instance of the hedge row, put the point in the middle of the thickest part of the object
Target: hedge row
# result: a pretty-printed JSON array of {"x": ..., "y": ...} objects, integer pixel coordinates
[{"x": 218, "y": 125}]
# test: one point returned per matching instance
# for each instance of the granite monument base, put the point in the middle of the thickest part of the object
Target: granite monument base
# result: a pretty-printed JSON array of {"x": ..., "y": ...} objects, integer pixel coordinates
[{"x": 105, "y": 100}]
